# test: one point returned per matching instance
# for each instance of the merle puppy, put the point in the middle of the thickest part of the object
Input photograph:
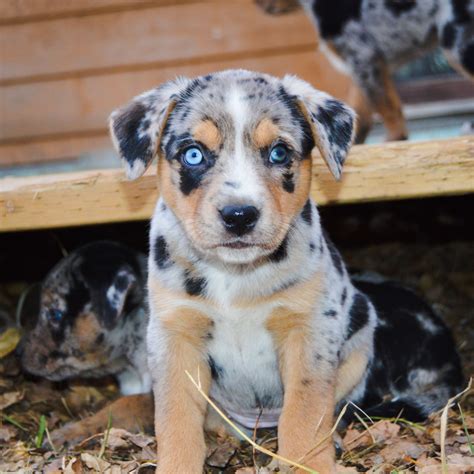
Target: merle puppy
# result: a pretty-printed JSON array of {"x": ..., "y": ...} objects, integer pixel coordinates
[
  {"x": 368, "y": 39},
  {"x": 247, "y": 295},
  {"x": 91, "y": 323}
]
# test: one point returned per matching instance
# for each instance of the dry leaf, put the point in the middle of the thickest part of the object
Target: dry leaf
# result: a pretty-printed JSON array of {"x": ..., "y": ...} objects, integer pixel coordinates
[
  {"x": 9, "y": 339},
  {"x": 400, "y": 450},
  {"x": 74, "y": 466},
  {"x": 117, "y": 438},
  {"x": 94, "y": 463},
  {"x": 7, "y": 433},
  {"x": 9, "y": 398}
]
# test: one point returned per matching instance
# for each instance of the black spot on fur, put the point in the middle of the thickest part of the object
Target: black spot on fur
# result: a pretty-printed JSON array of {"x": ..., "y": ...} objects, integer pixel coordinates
[
  {"x": 467, "y": 58},
  {"x": 55, "y": 354},
  {"x": 96, "y": 270},
  {"x": 448, "y": 36},
  {"x": 461, "y": 13},
  {"x": 312, "y": 246},
  {"x": 192, "y": 176},
  {"x": 100, "y": 338},
  {"x": 288, "y": 183},
  {"x": 358, "y": 314},
  {"x": 335, "y": 255},
  {"x": 291, "y": 102},
  {"x": 398, "y": 7},
  {"x": 194, "y": 286},
  {"x": 331, "y": 313},
  {"x": 216, "y": 370},
  {"x": 338, "y": 125},
  {"x": 343, "y": 296},
  {"x": 305, "y": 382},
  {"x": 392, "y": 368},
  {"x": 281, "y": 252},
  {"x": 332, "y": 15},
  {"x": 161, "y": 254},
  {"x": 126, "y": 128},
  {"x": 306, "y": 213}
]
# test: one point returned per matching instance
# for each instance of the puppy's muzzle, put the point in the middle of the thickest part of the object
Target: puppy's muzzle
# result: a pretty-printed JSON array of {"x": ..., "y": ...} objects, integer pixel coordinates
[{"x": 239, "y": 220}]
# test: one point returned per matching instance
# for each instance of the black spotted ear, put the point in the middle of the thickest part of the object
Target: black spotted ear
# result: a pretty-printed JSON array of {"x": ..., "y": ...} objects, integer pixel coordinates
[
  {"x": 136, "y": 128},
  {"x": 121, "y": 296},
  {"x": 332, "y": 122}
]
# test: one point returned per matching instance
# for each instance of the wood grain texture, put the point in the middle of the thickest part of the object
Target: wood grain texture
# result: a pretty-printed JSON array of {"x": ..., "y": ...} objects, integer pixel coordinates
[
  {"x": 70, "y": 47},
  {"x": 22, "y": 11},
  {"x": 397, "y": 170},
  {"x": 79, "y": 104}
]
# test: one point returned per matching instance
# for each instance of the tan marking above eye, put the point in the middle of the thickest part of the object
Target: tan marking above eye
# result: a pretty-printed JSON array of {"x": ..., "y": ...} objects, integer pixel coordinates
[
  {"x": 265, "y": 133},
  {"x": 208, "y": 134}
]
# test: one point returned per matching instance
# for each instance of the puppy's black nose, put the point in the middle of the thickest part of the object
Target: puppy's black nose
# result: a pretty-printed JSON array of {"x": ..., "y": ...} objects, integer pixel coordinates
[{"x": 239, "y": 219}]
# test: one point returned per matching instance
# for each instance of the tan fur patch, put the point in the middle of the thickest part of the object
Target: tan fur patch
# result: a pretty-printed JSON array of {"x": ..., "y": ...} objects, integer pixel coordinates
[
  {"x": 350, "y": 372},
  {"x": 207, "y": 133},
  {"x": 265, "y": 133},
  {"x": 86, "y": 329},
  {"x": 179, "y": 408},
  {"x": 307, "y": 413}
]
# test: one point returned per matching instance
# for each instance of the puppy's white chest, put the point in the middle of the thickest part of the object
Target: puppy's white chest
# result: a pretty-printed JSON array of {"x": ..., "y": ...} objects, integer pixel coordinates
[{"x": 244, "y": 362}]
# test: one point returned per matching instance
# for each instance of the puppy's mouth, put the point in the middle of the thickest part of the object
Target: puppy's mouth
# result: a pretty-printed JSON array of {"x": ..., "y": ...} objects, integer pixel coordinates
[{"x": 238, "y": 244}]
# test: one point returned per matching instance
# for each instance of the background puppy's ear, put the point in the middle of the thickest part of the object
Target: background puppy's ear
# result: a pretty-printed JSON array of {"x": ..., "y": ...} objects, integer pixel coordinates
[
  {"x": 332, "y": 122},
  {"x": 136, "y": 128},
  {"x": 121, "y": 296}
]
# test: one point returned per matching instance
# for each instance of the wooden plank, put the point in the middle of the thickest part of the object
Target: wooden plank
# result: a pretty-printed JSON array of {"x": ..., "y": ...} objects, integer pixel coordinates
[
  {"x": 175, "y": 34},
  {"x": 22, "y": 11},
  {"x": 46, "y": 149},
  {"x": 396, "y": 170},
  {"x": 75, "y": 105}
]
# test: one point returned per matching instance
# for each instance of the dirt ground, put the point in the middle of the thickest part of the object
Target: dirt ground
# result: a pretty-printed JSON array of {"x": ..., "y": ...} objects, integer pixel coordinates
[{"x": 436, "y": 259}]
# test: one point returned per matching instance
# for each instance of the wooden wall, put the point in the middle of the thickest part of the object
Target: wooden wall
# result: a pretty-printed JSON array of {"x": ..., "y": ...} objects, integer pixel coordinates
[{"x": 65, "y": 64}]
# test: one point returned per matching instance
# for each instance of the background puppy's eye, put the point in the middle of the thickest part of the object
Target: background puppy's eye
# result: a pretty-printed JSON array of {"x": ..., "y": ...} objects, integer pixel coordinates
[
  {"x": 55, "y": 315},
  {"x": 193, "y": 156},
  {"x": 279, "y": 155}
]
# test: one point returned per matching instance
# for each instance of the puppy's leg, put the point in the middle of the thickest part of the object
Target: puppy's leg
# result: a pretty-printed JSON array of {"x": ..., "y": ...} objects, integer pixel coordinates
[
  {"x": 386, "y": 102},
  {"x": 309, "y": 386},
  {"x": 132, "y": 413},
  {"x": 372, "y": 75},
  {"x": 457, "y": 40},
  {"x": 180, "y": 409},
  {"x": 359, "y": 102}
]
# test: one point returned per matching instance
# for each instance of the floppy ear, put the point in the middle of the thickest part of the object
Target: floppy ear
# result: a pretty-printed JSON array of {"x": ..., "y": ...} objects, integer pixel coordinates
[
  {"x": 332, "y": 122},
  {"x": 121, "y": 295},
  {"x": 136, "y": 128}
]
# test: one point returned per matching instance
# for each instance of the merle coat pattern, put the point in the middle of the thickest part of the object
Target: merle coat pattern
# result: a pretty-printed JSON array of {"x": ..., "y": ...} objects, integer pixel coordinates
[
  {"x": 368, "y": 39},
  {"x": 91, "y": 322},
  {"x": 247, "y": 294}
]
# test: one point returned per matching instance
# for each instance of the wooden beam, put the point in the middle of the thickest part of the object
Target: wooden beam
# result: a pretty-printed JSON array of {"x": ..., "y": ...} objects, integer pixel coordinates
[{"x": 397, "y": 170}]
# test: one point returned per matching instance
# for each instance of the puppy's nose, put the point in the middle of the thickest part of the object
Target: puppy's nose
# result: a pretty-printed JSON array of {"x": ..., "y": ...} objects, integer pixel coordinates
[{"x": 239, "y": 219}]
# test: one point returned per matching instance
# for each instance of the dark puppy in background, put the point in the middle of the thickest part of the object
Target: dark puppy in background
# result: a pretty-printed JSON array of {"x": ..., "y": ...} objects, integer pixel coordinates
[
  {"x": 91, "y": 323},
  {"x": 246, "y": 291},
  {"x": 368, "y": 39}
]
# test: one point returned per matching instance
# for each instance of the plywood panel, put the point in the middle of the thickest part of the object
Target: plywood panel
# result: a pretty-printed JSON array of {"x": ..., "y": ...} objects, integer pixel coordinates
[
  {"x": 171, "y": 34},
  {"x": 75, "y": 105},
  {"x": 21, "y": 11},
  {"x": 396, "y": 170}
]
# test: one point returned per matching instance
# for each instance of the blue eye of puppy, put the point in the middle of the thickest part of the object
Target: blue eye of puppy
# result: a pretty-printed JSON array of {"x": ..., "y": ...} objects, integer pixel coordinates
[
  {"x": 193, "y": 156},
  {"x": 55, "y": 315},
  {"x": 279, "y": 155}
]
